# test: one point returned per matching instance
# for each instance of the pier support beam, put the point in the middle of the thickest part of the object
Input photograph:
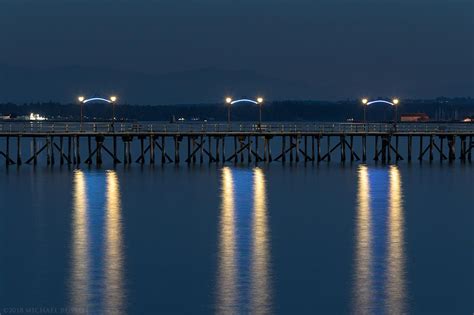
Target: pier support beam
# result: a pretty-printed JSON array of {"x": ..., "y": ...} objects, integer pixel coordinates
[
  {"x": 463, "y": 153},
  {"x": 318, "y": 140},
  {"x": 98, "y": 142},
  {"x": 452, "y": 148},
  {"x": 69, "y": 148},
  {"x": 78, "y": 150},
  {"x": 376, "y": 147},
  {"x": 18, "y": 150},
  {"x": 410, "y": 146}
]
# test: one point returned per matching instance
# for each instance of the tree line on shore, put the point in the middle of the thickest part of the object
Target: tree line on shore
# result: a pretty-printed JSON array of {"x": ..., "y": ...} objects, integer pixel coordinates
[{"x": 352, "y": 110}]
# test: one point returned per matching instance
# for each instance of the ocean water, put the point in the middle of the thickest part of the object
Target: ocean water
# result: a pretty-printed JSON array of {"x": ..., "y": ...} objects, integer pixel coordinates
[{"x": 238, "y": 239}]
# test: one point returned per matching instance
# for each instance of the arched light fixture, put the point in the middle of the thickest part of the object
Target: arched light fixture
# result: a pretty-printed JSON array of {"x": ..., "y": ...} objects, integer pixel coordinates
[
  {"x": 258, "y": 101},
  {"x": 394, "y": 102},
  {"x": 84, "y": 100},
  {"x": 111, "y": 100}
]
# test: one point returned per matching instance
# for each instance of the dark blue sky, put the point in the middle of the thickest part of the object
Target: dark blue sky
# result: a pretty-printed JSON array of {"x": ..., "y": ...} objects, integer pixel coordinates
[{"x": 340, "y": 48}]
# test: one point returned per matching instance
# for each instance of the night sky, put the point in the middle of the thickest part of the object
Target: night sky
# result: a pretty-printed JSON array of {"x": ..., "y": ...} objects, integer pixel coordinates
[{"x": 338, "y": 48}]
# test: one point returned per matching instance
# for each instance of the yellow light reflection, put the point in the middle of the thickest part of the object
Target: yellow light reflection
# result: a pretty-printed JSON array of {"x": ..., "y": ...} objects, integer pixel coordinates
[
  {"x": 363, "y": 289},
  {"x": 113, "y": 264},
  {"x": 80, "y": 246},
  {"x": 260, "y": 270},
  {"x": 227, "y": 269},
  {"x": 395, "y": 260},
  {"x": 367, "y": 298}
]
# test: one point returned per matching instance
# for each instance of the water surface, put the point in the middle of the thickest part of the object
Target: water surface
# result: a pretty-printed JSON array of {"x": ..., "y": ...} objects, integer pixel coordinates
[{"x": 365, "y": 239}]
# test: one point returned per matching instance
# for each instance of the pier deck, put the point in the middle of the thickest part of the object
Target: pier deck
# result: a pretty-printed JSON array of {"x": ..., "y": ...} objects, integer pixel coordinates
[{"x": 232, "y": 143}]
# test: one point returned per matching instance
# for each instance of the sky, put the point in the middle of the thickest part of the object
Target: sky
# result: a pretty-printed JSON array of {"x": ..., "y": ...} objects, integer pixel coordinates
[{"x": 339, "y": 48}]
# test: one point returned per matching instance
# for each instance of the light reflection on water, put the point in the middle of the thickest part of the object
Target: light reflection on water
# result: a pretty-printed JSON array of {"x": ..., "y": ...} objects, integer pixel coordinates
[
  {"x": 97, "y": 250},
  {"x": 80, "y": 243},
  {"x": 243, "y": 276},
  {"x": 379, "y": 275},
  {"x": 113, "y": 261}
]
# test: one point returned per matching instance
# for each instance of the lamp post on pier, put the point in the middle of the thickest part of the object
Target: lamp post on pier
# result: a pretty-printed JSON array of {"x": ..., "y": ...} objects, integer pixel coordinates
[
  {"x": 81, "y": 104},
  {"x": 260, "y": 103},
  {"x": 113, "y": 100},
  {"x": 364, "y": 103},
  {"x": 395, "y": 102},
  {"x": 228, "y": 101}
]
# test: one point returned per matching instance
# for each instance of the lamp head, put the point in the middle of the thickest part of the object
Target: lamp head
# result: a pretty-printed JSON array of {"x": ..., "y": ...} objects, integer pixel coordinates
[
  {"x": 365, "y": 101},
  {"x": 113, "y": 99},
  {"x": 396, "y": 101},
  {"x": 81, "y": 99},
  {"x": 260, "y": 100},
  {"x": 228, "y": 100}
]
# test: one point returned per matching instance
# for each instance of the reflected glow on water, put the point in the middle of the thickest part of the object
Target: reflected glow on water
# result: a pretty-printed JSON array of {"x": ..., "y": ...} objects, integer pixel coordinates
[
  {"x": 80, "y": 245},
  {"x": 395, "y": 286},
  {"x": 379, "y": 275},
  {"x": 243, "y": 278},
  {"x": 227, "y": 286},
  {"x": 363, "y": 254},
  {"x": 260, "y": 290},
  {"x": 97, "y": 250},
  {"x": 114, "y": 294}
]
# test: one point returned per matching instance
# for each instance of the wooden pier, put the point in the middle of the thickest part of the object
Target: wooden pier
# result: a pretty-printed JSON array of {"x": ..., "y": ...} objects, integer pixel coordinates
[{"x": 127, "y": 143}]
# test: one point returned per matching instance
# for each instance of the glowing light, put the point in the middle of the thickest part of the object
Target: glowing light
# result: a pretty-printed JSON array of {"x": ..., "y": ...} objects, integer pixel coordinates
[
  {"x": 396, "y": 101},
  {"x": 380, "y": 101},
  {"x": 260, "y": 100},
  {"x": 96, "y": 99},
  {"x": 34, "y": 116},
  {"x": 112, "y": 99},
  {"x": 365, "y": 101},
  {"x": 228, "y": 100},
  {"x": 244, "y": 100}
]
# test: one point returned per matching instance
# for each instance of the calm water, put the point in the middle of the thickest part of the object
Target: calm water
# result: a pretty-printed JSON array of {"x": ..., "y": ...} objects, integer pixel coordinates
[{"x": 237, "y": 240}]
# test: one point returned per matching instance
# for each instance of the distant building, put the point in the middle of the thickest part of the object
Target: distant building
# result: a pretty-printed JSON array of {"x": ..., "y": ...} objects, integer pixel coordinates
[
  {"x": 32, "y": 116},
  {"x": 468, "y": 119},
  {"x": 5, "y": 117},
  {"x": 414, "y": 117}
]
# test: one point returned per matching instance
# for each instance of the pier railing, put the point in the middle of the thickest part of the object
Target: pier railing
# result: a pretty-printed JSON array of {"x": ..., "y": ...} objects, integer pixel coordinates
[
  {"x": 222, "y": 143},
  {"x": 274, "y": 127}
]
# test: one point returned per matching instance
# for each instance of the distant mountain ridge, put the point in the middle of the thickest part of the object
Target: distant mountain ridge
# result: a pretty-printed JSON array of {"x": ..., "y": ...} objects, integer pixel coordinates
[{"x": 207, "y": 85}]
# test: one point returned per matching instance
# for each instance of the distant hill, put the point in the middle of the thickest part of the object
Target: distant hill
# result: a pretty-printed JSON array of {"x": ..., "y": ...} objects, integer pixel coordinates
[{"x": 64, "y": 84}]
